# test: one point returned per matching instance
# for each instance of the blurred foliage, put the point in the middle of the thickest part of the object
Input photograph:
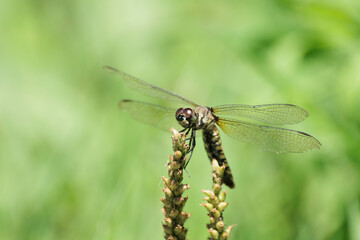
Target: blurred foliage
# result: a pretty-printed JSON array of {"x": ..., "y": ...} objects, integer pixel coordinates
[{"x": 72, "y": 166}]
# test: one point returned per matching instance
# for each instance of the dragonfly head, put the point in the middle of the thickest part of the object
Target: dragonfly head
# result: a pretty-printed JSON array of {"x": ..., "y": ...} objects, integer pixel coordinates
[{"x": 185, "y": 117}]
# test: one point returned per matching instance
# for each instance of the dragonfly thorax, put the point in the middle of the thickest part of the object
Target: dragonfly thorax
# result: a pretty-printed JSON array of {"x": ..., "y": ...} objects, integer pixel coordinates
[{"x": 204, "y": 118}]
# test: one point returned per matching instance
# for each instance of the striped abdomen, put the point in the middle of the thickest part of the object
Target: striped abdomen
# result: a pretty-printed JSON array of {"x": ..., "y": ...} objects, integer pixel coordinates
[{"x": 214, "y": 150}]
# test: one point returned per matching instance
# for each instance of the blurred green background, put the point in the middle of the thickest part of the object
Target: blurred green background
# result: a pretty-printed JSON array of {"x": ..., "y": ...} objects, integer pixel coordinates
[{"x": 72, "y": 166}]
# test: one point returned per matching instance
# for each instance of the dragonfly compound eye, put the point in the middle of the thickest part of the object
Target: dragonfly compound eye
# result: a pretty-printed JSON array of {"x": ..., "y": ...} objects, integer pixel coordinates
[
  {"x": 178, "y": 111},
  {"x": 180, "y": 117},
  {"x": 188, "y": 112},
  {"x": 184, "y": 116}
]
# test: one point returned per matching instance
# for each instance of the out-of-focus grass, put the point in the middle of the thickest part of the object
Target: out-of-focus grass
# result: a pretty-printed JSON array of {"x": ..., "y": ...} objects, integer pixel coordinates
[{"x": 73, "y": 167}]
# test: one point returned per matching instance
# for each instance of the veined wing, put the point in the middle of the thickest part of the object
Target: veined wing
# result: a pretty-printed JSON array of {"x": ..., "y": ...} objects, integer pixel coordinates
[
  {"x": 267, "y": 113},
  {"x": 158, "y": 116},
  {"x": 272, "y": 139},
  {"x": 149, "y": 89}
]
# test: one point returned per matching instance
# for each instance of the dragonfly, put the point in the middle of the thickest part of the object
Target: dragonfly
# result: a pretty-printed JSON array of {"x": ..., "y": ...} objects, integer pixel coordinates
[{"x": 193, "y": 117}]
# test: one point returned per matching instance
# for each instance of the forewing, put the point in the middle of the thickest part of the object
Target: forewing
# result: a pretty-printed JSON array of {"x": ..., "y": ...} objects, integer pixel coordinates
[
  {"x": 267, "y": 138},
  {"x": 149, "y": 89},
  {"x": 267, "y": 113},
  {"x": 158, "y": 116}
]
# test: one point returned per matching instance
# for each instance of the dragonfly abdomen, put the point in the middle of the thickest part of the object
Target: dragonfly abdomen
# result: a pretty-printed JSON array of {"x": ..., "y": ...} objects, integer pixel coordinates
[{"x": 214, "y": 149}]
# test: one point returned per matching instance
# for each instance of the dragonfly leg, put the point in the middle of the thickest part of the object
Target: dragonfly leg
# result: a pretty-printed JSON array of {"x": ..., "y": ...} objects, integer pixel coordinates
[
  {"x": 192, "y": 145},
  {"x": 191, "y": 140},
  {"x": 187, "y": 132}
]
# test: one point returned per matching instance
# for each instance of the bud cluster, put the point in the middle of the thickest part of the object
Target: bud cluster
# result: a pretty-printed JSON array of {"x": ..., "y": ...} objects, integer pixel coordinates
[
  {"x": 174, "y": 203},
  {"x": 215, "y": 204}
]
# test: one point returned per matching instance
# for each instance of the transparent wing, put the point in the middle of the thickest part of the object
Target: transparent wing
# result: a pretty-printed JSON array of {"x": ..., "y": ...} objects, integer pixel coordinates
[
  {"x": 158, "y": 116},
  {"x": 267, "y": 113},
  {"x": 267, "y": 138},
  {"x": 149, "y": 89}
]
